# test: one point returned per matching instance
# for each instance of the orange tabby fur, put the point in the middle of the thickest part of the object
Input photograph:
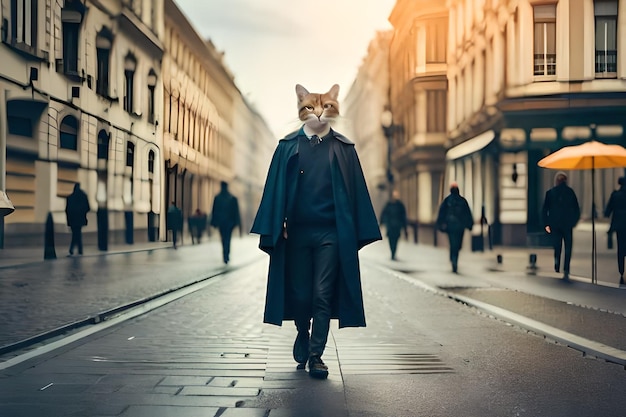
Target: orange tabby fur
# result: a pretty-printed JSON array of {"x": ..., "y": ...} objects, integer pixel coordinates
[{"x": 316, "y": 110}]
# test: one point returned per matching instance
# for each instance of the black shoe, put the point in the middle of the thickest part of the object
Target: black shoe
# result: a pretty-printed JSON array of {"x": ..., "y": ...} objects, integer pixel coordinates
[
  {"x": 556, "y": 268},
  {"x": 317, "y": 368},
  {"x": 566, "y": 276},
  {"x": 301, "y": 348}
]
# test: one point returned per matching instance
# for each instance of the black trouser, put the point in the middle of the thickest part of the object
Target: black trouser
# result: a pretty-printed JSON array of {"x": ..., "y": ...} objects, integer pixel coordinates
[
  {"x": 455, "y": 237},
  {"x": 312, "y": 270},
  {"x": 562, "y": 237},
  {"x": 77, "y": 239},
  {"x": 621, "y": 250},
  {"x": 393, "y": 243},
  {"x": 225, "y": 234}
]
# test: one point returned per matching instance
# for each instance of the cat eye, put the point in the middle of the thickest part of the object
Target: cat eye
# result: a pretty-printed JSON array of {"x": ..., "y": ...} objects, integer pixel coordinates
[
  {"x": 309, "y": 108},
  {"x": 328, "y": 106}
]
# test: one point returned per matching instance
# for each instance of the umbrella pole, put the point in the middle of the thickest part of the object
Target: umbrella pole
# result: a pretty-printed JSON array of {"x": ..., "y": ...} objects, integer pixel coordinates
[{"x": 594, "y": 271}]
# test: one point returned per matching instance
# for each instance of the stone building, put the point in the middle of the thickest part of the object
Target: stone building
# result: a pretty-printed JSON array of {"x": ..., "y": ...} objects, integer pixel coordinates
[
  {"x": 418, "y": 103},
  {"x": 211, "y": 134},
  {"x": 81, "y": 89},
  {"x": 362, "y": 110},
  {"x": 527, "y": 78}
]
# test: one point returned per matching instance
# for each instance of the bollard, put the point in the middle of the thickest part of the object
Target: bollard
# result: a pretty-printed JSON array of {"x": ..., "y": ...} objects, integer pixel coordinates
[
  {"x": 49, "y": 251},
  {"x": 499, "y": 259},
  {"x": 532, "y": 263}
]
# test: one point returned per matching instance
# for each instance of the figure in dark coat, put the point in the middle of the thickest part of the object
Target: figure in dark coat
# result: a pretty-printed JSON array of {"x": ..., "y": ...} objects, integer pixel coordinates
[
  {"x": 225, "y": 217},
  {"x": 174, "y": 221},
  {"x": 76, "y": 209},
  {"x": 453, "y": 218},
  {"x": 394, "y": 219},
  {"x": 560, "y": 214},
  {"x": 314, "y": 216},
  {"x": 617, "y": 208}
]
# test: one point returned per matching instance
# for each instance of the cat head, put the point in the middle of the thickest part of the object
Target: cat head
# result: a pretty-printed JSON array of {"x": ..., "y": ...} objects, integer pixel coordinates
[{"x": 316, "y": 110}]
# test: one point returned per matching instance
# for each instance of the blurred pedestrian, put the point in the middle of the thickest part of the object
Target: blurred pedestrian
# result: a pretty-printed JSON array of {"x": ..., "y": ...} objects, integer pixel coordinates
[
  {"x": 616, "y": 208},
  {"x": 225, "y": 217},
  {"x": 453, "y": 218},
  {"x": 561, "y": 213},
  {"x": 76, "y": 209},
  {"x": 197, "y": 224},
  {"x": 174, "y": 221},
  {"x": 393, "y": 218},
  {"x": 315, "y": 215}
]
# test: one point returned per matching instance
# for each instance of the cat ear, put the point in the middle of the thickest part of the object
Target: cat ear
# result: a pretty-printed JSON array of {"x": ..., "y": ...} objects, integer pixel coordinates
[
  {"x": 301, "y": 92},
  {"x": 334, "y": 92}
]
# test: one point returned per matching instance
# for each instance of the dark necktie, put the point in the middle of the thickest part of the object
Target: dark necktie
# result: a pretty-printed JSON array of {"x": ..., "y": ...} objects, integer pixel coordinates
[{"x": 315, "y": 140}]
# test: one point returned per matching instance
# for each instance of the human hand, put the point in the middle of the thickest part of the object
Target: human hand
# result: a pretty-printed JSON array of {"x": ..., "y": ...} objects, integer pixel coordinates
[{"x": 548, "y": 230}]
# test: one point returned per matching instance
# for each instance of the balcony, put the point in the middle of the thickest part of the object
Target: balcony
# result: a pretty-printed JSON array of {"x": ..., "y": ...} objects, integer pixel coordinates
[
  {"x": 544, "y": 64},
  {"x": 606, "y": 62}
]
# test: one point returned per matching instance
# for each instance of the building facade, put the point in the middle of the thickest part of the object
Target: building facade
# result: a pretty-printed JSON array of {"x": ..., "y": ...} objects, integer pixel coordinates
[
  {"x": 418, "y": 103},
  {"x": 81, "y": 90},
  {"x": 362, "y": 109},
  {"x": 527, "y": 78},
  {"x": 211, "y": 134}
]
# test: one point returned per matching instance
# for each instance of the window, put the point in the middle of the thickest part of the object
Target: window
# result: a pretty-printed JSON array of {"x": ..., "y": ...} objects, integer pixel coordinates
[
  {"x": 71, "y": 17},
  {"x": 104, "y": 41},
  {"x": 436, "y": 40},
  {"x": 68, "y": 135},
  {"x": 152, "y": 79},
  {"x": 151, "y": 162},
  {"x": 130, "y": 64},
  {"x": 21, "y": 126},
  {"x": 103, "y": 145},
  {"x": 605, "y": 12},
  {"x": 130, "y": 154},
  {"x": 545, "y": 39},
  {"x": 24, "y": 24}
]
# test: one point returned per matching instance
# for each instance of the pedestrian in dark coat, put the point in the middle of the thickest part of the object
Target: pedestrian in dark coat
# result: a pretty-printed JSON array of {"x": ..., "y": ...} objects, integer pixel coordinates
[
  {"x": 453, "y": 218},
  {"x": 394, "y": 219},
  {"x": 225, "y": 217},
  {"x": 174, "y": 221},
  {"x": 616, "y": 207},
  {"x": 561, "y": 213},
  {"x": 314, "y": 216},
  {"x": 76, "y": 209}
]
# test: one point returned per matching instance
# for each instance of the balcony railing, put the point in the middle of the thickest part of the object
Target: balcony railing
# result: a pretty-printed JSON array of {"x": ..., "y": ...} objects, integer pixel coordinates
[
  {"x": 545, "y": 64},
  {"x": 606, "y": 61}
]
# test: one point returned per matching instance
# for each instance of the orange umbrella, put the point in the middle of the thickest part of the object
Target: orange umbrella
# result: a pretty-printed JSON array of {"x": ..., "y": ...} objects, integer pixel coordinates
[{"x": 589, "y": 155}]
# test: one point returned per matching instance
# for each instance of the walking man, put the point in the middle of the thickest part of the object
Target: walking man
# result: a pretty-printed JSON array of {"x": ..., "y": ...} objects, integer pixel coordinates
[
  {"x": 76, "y": 209},
  {"x": 617, "y": 208},
  {"x": 560, "y": 214},
  {"x": 315, "y": 215},
  {"x": 225, "y": 217},
  {"x": 174, "y": 221},
  {"x": 394, "y": 219},
  {"x": 453, "y": 218}
]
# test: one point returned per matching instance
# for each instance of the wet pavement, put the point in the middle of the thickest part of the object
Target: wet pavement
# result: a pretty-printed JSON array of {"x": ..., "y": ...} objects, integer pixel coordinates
[
  {"x": 38, "y": 296},
  {"x": 422, "y": 354}
]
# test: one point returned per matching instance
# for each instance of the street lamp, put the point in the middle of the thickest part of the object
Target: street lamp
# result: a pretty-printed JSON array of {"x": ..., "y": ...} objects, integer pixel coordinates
[{"x": 386, "y": 120}]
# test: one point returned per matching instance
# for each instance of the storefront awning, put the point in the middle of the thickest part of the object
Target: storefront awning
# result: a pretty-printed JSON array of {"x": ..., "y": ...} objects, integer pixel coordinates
[{"x": 470, "y": 146}]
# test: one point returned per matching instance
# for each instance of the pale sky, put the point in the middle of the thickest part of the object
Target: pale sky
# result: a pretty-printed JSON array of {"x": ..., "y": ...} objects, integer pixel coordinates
[{"x": 272, "y": 45}]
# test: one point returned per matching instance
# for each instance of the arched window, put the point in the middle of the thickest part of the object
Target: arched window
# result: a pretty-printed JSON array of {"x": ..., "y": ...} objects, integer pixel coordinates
[
  {"x": 68, "y": 133},
  {"x": 103, "y": 145},
  {"x": 151, "y": 162}
]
